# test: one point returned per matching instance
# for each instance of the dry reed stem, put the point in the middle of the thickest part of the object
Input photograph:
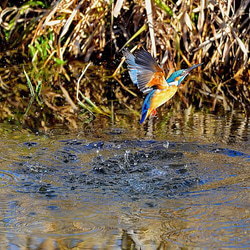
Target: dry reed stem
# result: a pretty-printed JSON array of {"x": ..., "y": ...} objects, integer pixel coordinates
[
  {"x": 222, "y": 26},
  {"x": 215, "y": 32}
]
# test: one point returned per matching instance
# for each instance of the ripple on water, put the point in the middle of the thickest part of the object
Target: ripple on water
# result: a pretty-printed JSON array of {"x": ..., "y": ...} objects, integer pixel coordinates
[
  {"x": 220, "y": 216},
  {"x": 185, "y": 194}
]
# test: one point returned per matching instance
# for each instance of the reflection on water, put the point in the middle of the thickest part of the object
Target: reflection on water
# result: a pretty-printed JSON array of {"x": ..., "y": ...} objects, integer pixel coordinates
[
  {"x": 227, "y": 127},
  {"x": 179, "y": 182}
]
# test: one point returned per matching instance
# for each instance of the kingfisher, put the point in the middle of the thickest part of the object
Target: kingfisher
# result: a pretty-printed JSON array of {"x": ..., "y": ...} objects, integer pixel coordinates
[{"x": 149, "y": 77}]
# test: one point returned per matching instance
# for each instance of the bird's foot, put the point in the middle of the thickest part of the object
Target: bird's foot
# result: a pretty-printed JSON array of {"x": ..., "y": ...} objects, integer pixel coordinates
[{"x": 154, "y": 112}]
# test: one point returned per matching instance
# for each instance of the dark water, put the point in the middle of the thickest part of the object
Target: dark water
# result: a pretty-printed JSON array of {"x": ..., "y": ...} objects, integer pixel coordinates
[{"x": 179, "y": 184}]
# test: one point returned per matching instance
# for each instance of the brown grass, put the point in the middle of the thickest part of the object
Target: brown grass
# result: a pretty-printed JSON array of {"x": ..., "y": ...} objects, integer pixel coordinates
[{"x": 216, "y": 32}]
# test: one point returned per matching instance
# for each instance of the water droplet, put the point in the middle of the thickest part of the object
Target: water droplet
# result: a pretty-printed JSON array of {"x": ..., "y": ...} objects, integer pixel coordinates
[{"x": 166, "y": 145}]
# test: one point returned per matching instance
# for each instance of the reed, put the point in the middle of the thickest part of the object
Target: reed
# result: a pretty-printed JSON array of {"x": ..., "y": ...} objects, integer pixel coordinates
[
  {"x": 216, "y": 32},
  {"x": 47, "y": 36}
]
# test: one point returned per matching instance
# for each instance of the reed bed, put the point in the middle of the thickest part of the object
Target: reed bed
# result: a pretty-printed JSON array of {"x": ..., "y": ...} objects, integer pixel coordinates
[{"x": 44, "y": 39}]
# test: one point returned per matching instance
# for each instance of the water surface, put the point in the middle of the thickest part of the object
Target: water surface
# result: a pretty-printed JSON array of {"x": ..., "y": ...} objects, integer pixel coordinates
[{"x": 169, "y": 184}]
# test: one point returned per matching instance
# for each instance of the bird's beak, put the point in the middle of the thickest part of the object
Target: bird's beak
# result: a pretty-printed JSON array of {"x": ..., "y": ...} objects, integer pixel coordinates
[
  {"x": 186, "y": 72},
  {"x": 191, "y": 68}
]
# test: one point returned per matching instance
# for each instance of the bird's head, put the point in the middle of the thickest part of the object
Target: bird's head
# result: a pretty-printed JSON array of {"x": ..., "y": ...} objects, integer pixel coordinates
[{"x": 178, "y": 76}]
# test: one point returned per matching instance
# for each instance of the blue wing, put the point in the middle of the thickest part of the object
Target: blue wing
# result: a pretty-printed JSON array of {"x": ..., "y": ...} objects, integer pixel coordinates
[{"x": 142, "y": 67}]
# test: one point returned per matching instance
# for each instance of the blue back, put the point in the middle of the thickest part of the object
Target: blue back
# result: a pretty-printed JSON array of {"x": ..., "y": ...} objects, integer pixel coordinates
[{"x": 146, "y": 105}]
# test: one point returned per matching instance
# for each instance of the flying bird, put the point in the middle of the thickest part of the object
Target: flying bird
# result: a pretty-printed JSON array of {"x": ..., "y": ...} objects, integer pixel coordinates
[{"x": 149, "y": 77}]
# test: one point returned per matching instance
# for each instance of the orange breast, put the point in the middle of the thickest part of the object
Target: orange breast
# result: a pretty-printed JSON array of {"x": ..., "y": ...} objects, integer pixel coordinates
[{"x": 162, "y": 96}]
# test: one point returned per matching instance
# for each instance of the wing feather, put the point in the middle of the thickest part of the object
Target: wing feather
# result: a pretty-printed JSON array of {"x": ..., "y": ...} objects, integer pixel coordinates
[{"x": 142, "y": 69}]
